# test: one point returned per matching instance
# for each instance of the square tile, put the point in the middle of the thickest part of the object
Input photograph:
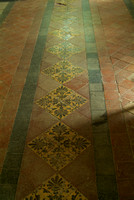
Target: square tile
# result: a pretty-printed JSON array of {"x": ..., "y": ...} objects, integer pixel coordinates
[
  {"x": 59, "y": 145},
  {"x": 56, "y": 188},
  {"x": 61, "y": 102}
]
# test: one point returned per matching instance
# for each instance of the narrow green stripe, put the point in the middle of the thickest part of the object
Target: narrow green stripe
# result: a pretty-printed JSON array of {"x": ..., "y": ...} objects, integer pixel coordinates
[
  {"x": 12, "y": 163},
  {"x": 130, "y": 6},
  {"x": 6, "y": 12},
  {"x": 105, "y": 172}
]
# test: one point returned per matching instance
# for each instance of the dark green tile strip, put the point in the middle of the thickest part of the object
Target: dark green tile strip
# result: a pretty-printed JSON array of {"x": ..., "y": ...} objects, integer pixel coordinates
[
  {"x": 105, "y": 172},
  {"x": 130, "y": 6},
  {"x": 12, "y": 163},
  {"x": 6, "y": 12}
]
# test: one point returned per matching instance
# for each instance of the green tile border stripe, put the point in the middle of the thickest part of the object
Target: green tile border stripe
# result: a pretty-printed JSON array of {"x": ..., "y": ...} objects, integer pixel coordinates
[
  {"x": 6, "y": 11},
  {"x": 12, "y": 164},
  {"x": 130, "y": 6},
  {"x": 105, "y": 171}
]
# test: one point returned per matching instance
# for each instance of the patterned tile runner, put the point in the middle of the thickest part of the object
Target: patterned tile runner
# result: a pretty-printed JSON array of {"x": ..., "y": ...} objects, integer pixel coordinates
[{"x": 59, "y": 63}]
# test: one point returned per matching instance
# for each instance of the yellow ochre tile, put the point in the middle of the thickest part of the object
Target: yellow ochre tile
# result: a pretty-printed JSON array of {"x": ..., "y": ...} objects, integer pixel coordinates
[
  {"x": 63, "y": 71},
  {"x": 58, "y": 188},
  {"x": 61, "y": 102},
  {"x": 59, "y": 145}
]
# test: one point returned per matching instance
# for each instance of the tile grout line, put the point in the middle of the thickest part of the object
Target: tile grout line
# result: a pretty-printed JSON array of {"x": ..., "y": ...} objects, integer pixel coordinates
[
  {"x": 103, "y": 152},
  {"x": 9, "y": 176}
]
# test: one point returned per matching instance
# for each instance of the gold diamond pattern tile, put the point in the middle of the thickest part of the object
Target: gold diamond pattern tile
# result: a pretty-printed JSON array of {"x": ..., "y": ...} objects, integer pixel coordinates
[
  {"x": 75, "y": 101},
  {"x": 56, "y": 188},
  {"x": 64, "y": 50},
  {"x": 63, "y": 71},
  {"x": 61, "y": 102},
  {"x": 60, "y": 110},
  {"x": 63, "y": 77},
  {"x": 65, "y": 33},
  {"x": 59, "y": 145}
]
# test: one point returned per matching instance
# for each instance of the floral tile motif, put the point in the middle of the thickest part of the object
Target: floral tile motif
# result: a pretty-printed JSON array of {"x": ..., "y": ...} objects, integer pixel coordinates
[
  {"x": 61, "y": 110},
  {"x": 64, "y": 50},
  {"x": 75, "y": 101},
  {"x": 65, "y": 33},
  {"x": 59, "y": 145},
  {"x": 63, "y": 71},
  {"x": 56, "y": 188},
  {"x": 61, "y": 102}
]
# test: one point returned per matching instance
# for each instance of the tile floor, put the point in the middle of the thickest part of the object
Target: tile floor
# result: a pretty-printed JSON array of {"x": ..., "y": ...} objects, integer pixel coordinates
[{"x": 67, "y": 100}]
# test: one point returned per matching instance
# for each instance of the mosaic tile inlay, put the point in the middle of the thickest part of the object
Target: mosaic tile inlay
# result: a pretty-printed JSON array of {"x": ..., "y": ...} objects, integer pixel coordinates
[
  {"x": 61, "y": 102},
  {"x": 65, "y": 33},
  {"x": 63, "y": 71},
  {"x": 59, "y": 145},
  {"x": 56, "y": 188},
  {"x": 64, "y": 50}
]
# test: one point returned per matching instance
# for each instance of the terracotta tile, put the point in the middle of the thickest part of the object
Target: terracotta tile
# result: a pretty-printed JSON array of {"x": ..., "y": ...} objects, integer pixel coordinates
[
  {"x": 120, "y": 139},
  {"x": 46, "y": 83},
  {"x": 85, "y": 110},
  {"x": 70, "y": 172},
  {"x": 129, "y": 118},
  {"x": 114, "y": 120},
  {"x": 129, "y": 95},
  {"x": 75, "y": 84},
  {"x": 34, "y": 171},
  {"x": 40, "y": 92},
  {"x": 3, "y": 89},
  {"x": 125, "y": 170},
  {"x": 113, "y": 105},
  {"x": 123, "y": 154},
  {"x": 84, "y": 91},
  {"x": 111, "y": 94},
  {"x": 109, "y": 86},
  {"x": 127, "y": 84},
  {"x": 6, "y": 78},
  {"x": 114, "y": 60},
  {"x": 124, "y": 101},
  {"x": 109, "y": 78},
  {"x": 79, "y": 60},
  {"x": 41, "y": 119},
  {"x": 79, "y": 123},
  {"x": 2, "y": 155},
  {"x": 121, "y": 64},
  {"x": 124, "y": 73},
  {"x": 1, "y": 103},
  {"x": 119, "y": 79},
  {"x": 122, "y": 90},
  {"x": 126, "y": 189}
]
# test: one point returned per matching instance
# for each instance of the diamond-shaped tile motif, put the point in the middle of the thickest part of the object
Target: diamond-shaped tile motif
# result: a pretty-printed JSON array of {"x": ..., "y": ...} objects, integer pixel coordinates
[
  {"x": 61, "y": 102},
  {"x": 64, "y": 50},
  {"x": 65, "y": 33},
  {"x": 63, "y": 71},
  {"x": 56, "y": 188},
  {"x": 59, "y": 145}
]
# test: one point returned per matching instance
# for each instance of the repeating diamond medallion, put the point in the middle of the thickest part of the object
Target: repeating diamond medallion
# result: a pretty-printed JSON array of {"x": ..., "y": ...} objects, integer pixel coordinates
[
  {"x": 61, "y": 102},
  {"x": 56, "y": 188},
  {"x": 63, "y": 71},
  {"x": 64, "y": 50},
  {"x": 65, "y": 33},
  {"x": 59, "y": 145}
]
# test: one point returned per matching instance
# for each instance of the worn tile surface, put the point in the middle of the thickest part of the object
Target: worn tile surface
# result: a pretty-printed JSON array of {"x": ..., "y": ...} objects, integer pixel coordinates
[{"x": 67, "y": 100}]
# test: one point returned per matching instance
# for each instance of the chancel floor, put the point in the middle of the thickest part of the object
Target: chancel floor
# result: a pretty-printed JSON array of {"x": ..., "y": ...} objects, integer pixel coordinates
[{"x": 67, "y": 100}]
